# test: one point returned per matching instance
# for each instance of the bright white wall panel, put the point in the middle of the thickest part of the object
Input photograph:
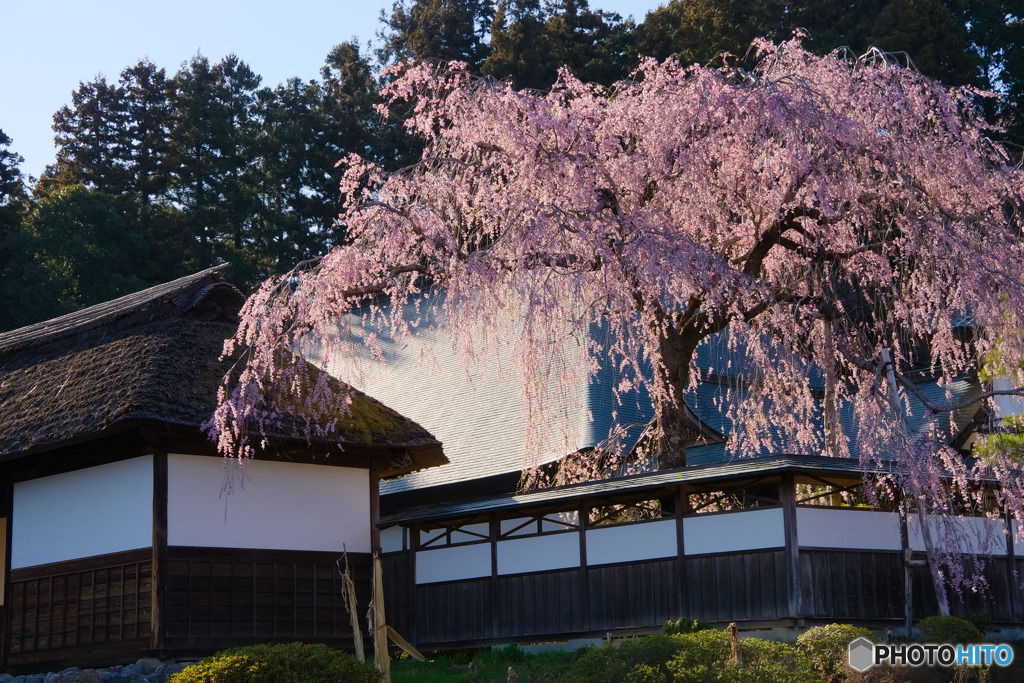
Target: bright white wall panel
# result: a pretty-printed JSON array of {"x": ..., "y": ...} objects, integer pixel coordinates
[
  {"x": 282, "y": 506},
  {"x": 95, "y": 511},
  {"x": 852, "y": 529},
  {"x": 538, "y": 553},
  {"x": 973, "y": 535},
  {"x": 733, "y": 531},
  {"x": 453, "y": 564},
  {"x": 632, "y": 542}
]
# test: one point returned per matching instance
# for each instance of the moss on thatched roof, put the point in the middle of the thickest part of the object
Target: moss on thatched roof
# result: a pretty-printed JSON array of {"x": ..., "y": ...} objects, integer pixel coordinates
[{"x": 152, "y": 358}]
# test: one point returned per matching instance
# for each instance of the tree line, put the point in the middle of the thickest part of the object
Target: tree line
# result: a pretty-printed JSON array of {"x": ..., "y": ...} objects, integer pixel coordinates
[{"x": 157, "y": 174}]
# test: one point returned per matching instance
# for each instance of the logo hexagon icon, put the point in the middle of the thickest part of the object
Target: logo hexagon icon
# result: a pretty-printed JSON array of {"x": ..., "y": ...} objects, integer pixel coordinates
[{"x": 862, "y": 654}]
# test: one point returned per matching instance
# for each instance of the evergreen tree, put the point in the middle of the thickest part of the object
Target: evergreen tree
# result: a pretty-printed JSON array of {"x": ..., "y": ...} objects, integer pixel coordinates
[
  {"x": 698, "y": 31},
  {"x": 530, "y": 42},
  {"x": 91, "y": 140},
  {"x": 74, "y": 250},
  {"x": 928, "y": 33},
  {"x": 14, "y": 202},
  {"x": 214, "y": 139},
  {"x": 436, "y": 29}
]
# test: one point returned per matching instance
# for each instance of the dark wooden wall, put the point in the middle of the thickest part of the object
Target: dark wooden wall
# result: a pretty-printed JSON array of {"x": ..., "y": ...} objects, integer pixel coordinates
[
  {"x": 747, "y": 587},
  {"x": 81, "y": 610},
  {"x": 219, "y": 597},
  {"x": 739, "y": 586},
  {"x": 99, "y": 609}
]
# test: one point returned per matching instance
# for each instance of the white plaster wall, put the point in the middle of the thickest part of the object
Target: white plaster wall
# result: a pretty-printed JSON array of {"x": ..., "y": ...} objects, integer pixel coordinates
[
  {"x": 282, "y": 506},
  {"x": 632, "y": 542},
  {"x": 392, "y": 539},
  {"x": 852, "y": 529},
  {"x": 507, "y": 525},
  {"x": 453, "y": 564},
  {"x": 972, "y": 535},
  {"x": 539, "y": 553},
  {"x": 733, "y": 531},
  {"x": 475, "y": 531},
  {"x": 94, "y": 511},
  {"x": 428, "y": 535}
]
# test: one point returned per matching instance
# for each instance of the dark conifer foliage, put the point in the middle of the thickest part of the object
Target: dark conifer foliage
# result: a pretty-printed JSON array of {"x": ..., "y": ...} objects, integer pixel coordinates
[
  {"x": 531, "y": 40},
  {"x": 436, "y": 29},
  {"x": 158, "y": 175}
]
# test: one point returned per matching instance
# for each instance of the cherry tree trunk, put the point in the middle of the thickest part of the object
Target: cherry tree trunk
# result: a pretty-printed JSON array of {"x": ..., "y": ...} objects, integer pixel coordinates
[{"x": 677, "y": 351}]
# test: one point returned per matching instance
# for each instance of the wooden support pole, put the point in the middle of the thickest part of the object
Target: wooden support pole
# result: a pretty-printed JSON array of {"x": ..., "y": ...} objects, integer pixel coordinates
[
  {"x": 380, "y": 627},
  {"x": 919, "y": 498}
]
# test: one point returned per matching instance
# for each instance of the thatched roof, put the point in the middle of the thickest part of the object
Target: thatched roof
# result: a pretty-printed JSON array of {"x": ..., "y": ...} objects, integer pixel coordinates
[{"x": 151, "y": 359}]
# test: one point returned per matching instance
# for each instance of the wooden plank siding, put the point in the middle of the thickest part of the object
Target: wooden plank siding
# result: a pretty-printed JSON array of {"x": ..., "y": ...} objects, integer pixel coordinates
[
  {"x": 68, "y": 609},
  {"x": 220, "y": 597}
]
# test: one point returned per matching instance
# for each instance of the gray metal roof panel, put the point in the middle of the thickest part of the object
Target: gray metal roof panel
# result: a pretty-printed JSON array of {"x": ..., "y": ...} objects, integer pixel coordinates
[{"x": 737, "y": 469}]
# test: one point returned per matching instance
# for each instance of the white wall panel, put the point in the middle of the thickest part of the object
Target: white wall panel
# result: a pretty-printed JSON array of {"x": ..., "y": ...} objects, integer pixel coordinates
[
  {"x": 974, "y": 535},
  {"x": 95, "y": 511},
  {"x": 392, "y": 539},
  {"x": 282, "y": 506},
  {"x": 631, "y": 542},
  {"x": 733, "y": 531},
  {"x": 475, "y": 531},
  {"x": 428, "y": 535},
  {"x": 852, "y": 529},
  {"x": 538, "y": 553},
  {"x": 507, "y": 525},
  {"x": 453, "y": 564}
]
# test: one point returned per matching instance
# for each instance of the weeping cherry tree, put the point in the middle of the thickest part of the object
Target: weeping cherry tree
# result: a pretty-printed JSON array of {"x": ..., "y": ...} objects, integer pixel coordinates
[{"x": 820, "y": 213}]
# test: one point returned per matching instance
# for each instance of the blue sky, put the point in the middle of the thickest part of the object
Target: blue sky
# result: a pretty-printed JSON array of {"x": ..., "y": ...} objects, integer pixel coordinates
[{"x": 50, "y": 46}]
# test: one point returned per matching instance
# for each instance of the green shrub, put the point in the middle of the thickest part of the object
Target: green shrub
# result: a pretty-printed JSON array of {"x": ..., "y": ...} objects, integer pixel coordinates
[
  {"x": 702, "y": 656},
  {"x": 826, "y": 647},
  {"x": 980, "y": 619},
  {"x": 769, "y": 661},
  {"x": 949, "y": 630},
  {"x": 673, "y": 626},
  {"x": 615, "y": 664},
  {"x": 279, "y": 663},
  {"x": 707, "y": 656}
]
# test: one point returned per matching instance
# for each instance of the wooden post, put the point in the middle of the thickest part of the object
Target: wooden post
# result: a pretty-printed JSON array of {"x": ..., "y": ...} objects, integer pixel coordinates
[
  {"x": 158, "y": 595},
  {"x": 682, "y": 600},
  {"x": 496, "y": 607},
  {"x": 583, "y": 515},
  {"x": 792, "y": 545},
  {"x": 7, "y": 490},
  {"x": 374, "y": 510}
]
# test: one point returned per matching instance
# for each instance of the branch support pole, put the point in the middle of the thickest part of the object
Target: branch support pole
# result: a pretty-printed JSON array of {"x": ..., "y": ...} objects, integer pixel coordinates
[{"x": 919, "y": 498}]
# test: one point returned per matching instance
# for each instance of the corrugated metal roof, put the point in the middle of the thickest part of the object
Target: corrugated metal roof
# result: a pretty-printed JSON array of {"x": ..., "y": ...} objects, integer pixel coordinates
[
  {"x": 479, "y": 413},
  {"x": 705, "y": 474}
]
